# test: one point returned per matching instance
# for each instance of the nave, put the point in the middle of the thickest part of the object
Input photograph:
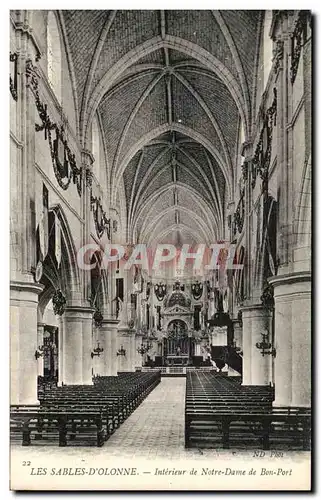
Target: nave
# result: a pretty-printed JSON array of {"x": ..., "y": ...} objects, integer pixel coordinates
[{"x": 160, "y": 231}]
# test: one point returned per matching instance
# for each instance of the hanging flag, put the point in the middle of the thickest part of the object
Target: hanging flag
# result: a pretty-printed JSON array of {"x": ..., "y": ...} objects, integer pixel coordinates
[
  {"x": 57, "y": 240},
  {"x": 271, "y": 260},
  {"x": 44, "y": 223}
]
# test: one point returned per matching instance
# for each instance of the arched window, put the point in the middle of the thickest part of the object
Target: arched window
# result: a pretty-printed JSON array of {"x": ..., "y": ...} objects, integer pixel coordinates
[
  {"x": 96, "y": 148},
  {"x": 267, "y": 47},
  {"x": 54, "y": 55}
]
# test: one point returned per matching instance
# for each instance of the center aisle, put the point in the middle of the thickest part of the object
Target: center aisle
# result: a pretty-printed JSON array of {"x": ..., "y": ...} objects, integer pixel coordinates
[{"x": 156, "y": 427}]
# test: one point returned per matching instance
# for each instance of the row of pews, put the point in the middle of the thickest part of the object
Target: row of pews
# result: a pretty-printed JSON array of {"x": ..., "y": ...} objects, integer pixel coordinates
[
  {"x": 221, "y": 413},
  {"x": 81, "y": 414}
]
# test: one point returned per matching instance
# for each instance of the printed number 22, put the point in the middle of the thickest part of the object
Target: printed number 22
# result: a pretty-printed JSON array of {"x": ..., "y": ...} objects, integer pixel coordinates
[{"x": 26, "y": 463}]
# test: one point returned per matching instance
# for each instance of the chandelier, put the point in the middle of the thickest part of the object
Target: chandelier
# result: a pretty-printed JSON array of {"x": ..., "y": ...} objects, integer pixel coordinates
[{"x": 144, "y": 348}]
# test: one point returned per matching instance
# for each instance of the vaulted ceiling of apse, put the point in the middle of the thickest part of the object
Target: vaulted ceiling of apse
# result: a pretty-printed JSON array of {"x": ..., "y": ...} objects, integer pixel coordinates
[{"x": 171, "y": 89}]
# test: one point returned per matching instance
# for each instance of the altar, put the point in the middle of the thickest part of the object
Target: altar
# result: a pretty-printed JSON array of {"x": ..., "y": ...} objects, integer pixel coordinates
[{"x": 174, "y": 360}]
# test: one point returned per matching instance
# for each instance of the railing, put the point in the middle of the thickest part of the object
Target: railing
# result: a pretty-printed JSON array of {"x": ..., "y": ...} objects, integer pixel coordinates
[
  {"x": 200, "y": 369},
  {"x": 147, "y": 369},
  {"x": 176, "y": 370}
]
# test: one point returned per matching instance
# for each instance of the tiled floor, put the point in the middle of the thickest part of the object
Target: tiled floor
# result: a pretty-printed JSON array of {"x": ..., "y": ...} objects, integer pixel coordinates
[{"x": 157, "y": 426}]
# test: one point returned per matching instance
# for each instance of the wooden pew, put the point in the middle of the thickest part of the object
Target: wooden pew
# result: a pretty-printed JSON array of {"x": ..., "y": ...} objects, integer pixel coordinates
[
  {"x": 79, "y": 409},
  {"x": 219, "y": 411},
  {"x": 31, "y": 419}
]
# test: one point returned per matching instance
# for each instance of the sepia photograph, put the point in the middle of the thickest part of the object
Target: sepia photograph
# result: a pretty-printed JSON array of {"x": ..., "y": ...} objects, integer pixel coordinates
[{"x": 160, "y": 250}]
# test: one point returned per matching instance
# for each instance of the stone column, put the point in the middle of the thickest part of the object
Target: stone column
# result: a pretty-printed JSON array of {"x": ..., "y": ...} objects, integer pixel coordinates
[
  {"x": 108, "y": 336},
  {"x": 133, "y": 358},
  {"x": 301, "y": 344},
  {"x": 87, "y": 345},
  {"x": 72, "y": 348},
  {"x": 61, "y": 352},
  {"x": 256, "y": 367},
  {"x": 77, "y": 349},
  {"x": 98, "y": 361},
  {"x": 23, "y": 342},
  {"x": 139, "y": 359},
  {"x": 260, "y": 365},
  {"x": 292, "y": 296},
  {"x": 198, "y": 348},
  {"x": 282, "y": 51},
  {"x": 247, "y": 345},
  {"x": 87, "y": 161},
  {"x": 125, "y": 340},
  {"x": 40, "y": 332}
]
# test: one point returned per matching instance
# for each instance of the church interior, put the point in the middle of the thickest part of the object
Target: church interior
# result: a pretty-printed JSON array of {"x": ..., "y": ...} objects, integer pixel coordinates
[{"x": 184, "y": 134}]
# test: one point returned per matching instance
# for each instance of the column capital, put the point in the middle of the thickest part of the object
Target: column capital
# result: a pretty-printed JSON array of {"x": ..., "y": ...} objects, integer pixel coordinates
[
  {"x": 249, "y": 307},
  {"x": 87, "y": 158},
  {"x": 253, "y": 310},
  {"x": 289, "y": 279},
  {"x": 110, "y": 322},
  {"x": 291, "y": 286},
  {"x": 26, "y": 286},
  {"x": 247, "y": 150},
  {"x": 78, "y": 311}
]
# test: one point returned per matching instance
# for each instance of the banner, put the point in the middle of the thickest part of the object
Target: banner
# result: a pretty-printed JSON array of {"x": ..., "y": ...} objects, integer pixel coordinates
[
  {"x": 57, "y": 240},
  {"x": 44, "y": 224}
]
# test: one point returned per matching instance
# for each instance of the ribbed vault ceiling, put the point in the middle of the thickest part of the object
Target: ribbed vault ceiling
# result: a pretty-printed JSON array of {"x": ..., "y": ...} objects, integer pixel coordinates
[{"x": 170, "y": 88}]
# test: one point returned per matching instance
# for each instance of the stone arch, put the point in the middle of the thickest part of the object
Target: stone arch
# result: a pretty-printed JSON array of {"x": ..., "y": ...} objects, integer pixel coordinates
[
  {"x": 177, "y": 128},
  {"x": 65, "y": 276},
  {"x": 171, "y": 42}
]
